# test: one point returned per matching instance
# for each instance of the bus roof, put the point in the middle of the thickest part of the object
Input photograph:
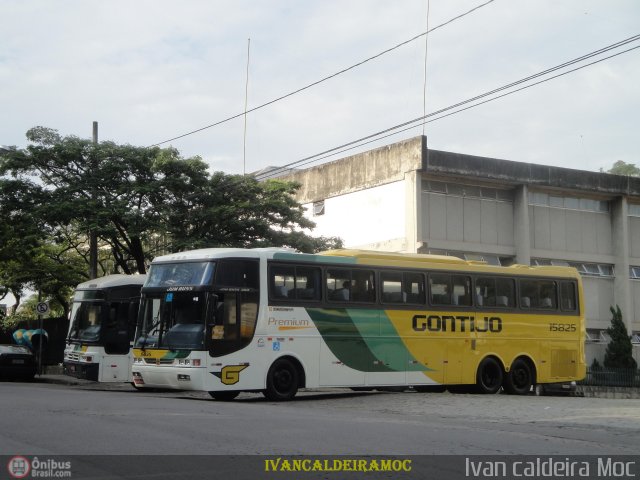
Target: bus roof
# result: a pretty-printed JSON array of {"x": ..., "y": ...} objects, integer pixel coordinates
[
  {"x": 368, "y": 257},
  {"x": 211, "y": 253},
  {"x": 110, "y": 281},
  {"x": 418, "y": 260}
]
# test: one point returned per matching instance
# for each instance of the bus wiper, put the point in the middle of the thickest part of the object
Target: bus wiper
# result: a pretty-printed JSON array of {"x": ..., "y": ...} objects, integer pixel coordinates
[{"x": 146, "y": 335}]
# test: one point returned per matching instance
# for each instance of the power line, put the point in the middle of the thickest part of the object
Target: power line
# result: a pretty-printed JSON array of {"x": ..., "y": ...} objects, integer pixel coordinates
[
  {"x": 324, "y": 79},
  {"x": 381, "y": 134}
]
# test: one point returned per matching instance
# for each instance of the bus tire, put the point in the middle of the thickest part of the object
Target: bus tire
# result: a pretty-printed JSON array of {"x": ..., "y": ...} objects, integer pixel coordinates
[
  {"x": 520, "y": 379},
  {"x": 283, "y": 380},
  {"x": 489, "y": 376},
  {"x": 224, "y": 396}
]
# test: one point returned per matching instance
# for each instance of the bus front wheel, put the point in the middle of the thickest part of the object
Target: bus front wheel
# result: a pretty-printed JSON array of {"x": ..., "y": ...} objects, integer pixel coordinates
[
  {"x": 520, "y": 378},
  {"x": 489, "y": 376},
  {"x": 283, "y": 380}
]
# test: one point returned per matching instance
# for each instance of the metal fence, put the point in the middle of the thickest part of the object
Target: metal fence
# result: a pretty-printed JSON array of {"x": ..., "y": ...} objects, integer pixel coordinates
[{"x": 612, "y": 377}]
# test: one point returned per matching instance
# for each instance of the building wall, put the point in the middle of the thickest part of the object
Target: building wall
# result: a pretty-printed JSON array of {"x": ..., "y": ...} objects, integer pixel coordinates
[
  {"x": 461, "y": 223},
  {"x": 635, "y": 297},
  {"x": 634, "y": 234},
  {"x": 366, "y": 218},
  {"x": 570, "y": 231},
  {"x": 598, "y": 297}
]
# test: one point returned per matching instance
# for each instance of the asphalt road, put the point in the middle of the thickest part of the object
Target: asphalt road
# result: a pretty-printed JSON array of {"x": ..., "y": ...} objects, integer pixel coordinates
[{"x": 47, "y": 419}]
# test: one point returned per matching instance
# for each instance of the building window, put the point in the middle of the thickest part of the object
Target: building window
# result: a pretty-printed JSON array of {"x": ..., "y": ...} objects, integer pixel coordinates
[
  {"x": 593, "y": 269},
  {"x": 634, "y": 209},
  {"x": 585, "y": 269},
  {"x": 634, "y": 272},
  {"x": 477, "y": 257},
  {"x": 470, "y": 191},
  {"x": 569, "y": 203}
]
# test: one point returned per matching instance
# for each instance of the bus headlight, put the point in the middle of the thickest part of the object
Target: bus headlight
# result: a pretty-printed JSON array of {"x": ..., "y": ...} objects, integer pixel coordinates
[{"x": 86, "y": 358}]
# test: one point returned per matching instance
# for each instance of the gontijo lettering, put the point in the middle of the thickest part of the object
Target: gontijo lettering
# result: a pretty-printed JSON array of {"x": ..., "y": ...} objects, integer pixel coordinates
[
  {"x": 444, "y": 323},
  {"x": 337, "y": 465}
]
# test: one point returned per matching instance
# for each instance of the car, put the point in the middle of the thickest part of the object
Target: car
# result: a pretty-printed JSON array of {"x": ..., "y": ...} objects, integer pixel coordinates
[
  {"x": 17, "y": 363},
  {"x": 565, "y": 388}
]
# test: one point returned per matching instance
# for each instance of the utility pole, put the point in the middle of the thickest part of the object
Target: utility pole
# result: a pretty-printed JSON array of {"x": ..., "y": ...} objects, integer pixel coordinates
[
  {"x": 246, "y": 100},
  {"x": 93, "y": 237}
]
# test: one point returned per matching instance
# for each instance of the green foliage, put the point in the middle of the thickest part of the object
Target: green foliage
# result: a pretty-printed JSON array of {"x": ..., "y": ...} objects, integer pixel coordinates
[
  {"x": 619, "y": 352},
  {"x": 623, "y": 168},
  {"x": 58, "y": 189}
]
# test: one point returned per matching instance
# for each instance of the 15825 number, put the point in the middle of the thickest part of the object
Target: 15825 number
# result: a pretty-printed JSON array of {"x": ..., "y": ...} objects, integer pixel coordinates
[{"x": 562, "y": 327}]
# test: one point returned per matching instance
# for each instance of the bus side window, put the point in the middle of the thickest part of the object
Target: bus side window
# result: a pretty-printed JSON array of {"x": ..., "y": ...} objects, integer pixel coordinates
[
  {"x": 485, "y": 292},
  {"x": 461, "y": 292},
  {"x": 307, "y": 284},
  {"x": 391, "y": 283},
  {"x": 413, "y": 288},
  {"x": 505, "y": 292},
  {"x": 548, "y": 295},
  {"x": 281, "y": 280},
  {"x": 568, "y": 296},
  {"x": 363, "y": 287},
  {"x": 339, "y": 285},
  {"x": 440, "y": 289}
]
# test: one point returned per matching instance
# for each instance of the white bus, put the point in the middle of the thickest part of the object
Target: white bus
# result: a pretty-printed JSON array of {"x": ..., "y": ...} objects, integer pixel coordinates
[
  {"x": 101, "y": 328},
  {"x": 273, "y": 321}
]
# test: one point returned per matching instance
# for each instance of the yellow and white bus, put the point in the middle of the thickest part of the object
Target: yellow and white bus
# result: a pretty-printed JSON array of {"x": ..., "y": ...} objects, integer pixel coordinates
[
  {"x": 273, "y": 321},
  {"x": 102, "y": 326}
]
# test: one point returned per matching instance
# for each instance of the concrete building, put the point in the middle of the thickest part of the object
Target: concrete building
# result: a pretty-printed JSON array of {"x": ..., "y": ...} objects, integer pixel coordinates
[{"x": 407, "y": 198}]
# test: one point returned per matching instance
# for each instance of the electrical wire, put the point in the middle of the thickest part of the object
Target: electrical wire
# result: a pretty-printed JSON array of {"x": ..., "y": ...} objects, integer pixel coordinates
[
  {"x": 381, "y": 134},
  {"x": 324, "y": 79}
]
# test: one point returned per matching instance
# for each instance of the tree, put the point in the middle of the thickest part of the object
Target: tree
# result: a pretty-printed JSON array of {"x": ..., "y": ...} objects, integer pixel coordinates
[
  {"x": 61, "y": 188},
  {"x": 623, "y": 168},
  {"x": 619, "y": 352},
  {"x": 239, "y": 211}
]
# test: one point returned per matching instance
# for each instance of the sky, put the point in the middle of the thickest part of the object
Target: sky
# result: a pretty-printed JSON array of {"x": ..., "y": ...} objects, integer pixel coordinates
[{"x": 151, "y": 70}]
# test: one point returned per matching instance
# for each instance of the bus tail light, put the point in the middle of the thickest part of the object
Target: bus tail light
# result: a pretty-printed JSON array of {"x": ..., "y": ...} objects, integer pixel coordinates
[{"x": 196, "y": 362}]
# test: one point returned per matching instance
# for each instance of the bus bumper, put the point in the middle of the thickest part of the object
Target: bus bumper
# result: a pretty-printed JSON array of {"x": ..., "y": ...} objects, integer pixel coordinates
[
  {"x": 87, "y": 371},
  {"x": 172, "y": 378}
]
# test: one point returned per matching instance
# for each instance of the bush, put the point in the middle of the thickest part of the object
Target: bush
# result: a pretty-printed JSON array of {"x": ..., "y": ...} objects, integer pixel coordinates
[{"x": 619, "y": 352}]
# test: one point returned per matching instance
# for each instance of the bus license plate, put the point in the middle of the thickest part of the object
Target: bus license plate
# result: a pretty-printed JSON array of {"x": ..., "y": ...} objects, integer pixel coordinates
[{"x": 17, "y": 361}]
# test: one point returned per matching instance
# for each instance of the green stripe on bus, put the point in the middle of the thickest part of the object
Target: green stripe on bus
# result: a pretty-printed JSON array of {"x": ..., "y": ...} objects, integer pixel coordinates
[
  {"x": 298, "y": 257},
  {"x": 344, "y": 339},
  {"x": 365, "y": 340}
]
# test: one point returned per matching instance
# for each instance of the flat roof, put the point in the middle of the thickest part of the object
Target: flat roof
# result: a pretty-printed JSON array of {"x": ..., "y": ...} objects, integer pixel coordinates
[{"x": 517, "y": 173}]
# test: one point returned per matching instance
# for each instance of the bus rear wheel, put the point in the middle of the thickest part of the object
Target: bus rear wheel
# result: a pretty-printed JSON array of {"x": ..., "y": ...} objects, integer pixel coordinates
[
  {"x": 520, "y": 378},
  {"x": 225, "y": 396},
  {"x": 489, "y": 376},
  {"x": 283, "y": 380}
]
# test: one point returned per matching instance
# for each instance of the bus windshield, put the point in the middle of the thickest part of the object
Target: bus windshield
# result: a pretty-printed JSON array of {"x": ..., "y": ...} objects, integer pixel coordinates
[
  {"x": 184, "y": 273},
  {"x": 85, "y": 321},
  {"x": 173, "y": 320}
]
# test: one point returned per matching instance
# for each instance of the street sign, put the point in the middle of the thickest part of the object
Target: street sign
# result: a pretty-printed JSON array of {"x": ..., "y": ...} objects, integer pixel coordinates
[{"x": 42, "y": 308}]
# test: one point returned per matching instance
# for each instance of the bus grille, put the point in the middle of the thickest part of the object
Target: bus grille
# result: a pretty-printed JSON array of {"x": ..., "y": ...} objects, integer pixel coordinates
[
  {"x": 74, "y": 356},
  {"x": 159, "y": 361}
]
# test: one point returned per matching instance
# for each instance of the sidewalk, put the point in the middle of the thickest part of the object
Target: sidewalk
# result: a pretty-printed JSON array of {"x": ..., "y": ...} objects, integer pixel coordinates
[{"x": 53, "y": 374}]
